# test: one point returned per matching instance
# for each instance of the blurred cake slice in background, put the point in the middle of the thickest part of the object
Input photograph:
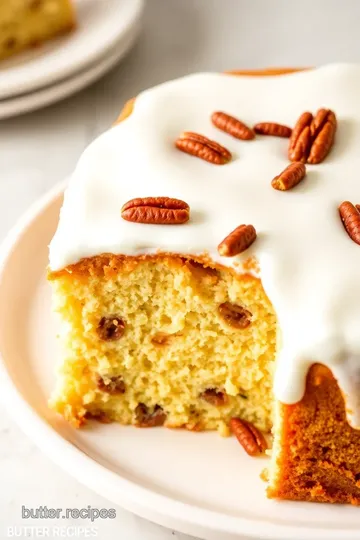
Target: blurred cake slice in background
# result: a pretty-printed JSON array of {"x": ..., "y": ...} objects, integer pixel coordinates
[{"x": 28, "y": 23}]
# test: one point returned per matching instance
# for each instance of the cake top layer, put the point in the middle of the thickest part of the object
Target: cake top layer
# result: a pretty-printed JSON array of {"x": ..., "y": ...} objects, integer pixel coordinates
[{"x": 309, "y": 265}]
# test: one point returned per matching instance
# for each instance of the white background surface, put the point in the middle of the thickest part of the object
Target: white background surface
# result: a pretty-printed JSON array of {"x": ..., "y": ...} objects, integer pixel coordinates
[{"x": 40, "y": 149}]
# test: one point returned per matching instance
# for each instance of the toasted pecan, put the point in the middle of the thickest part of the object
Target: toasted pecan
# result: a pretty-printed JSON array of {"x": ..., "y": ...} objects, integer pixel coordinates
[
  {"x": 156, "y": 211},
  {"x": 272, "y": 128},
  {"x": 290, "y": 177},
  {"x": 237, "y": 241},
  {"x": 199, "y": 146},
  {"x": 350, "y": 216},
  {"x": 250, "y": 438},
  {"x": 232, "y": 126}
]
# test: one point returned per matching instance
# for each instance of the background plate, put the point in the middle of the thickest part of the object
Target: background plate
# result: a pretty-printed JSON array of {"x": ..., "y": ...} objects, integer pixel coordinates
[
  {"x": 101, "y": 23},
  {"x": 51, "y": 94},
  {"x": 200, "y": 483}
]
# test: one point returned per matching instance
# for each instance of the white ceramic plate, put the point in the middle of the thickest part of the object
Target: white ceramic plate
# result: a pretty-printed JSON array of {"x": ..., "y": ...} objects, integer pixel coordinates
[
  {"x": 52, "y": 94},
  {"x": 197, "y": 483},
  {"x": 101, "y": 24}
]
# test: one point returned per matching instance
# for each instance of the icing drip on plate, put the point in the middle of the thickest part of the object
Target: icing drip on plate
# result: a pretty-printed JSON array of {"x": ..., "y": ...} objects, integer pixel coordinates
[{"x": 310, "y": 268}]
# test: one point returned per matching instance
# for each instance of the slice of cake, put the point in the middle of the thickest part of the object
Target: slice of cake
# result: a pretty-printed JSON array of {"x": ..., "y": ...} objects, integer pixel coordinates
[
  {"x": 205, "y": 271},
  {"x": 28, "y": 23}
]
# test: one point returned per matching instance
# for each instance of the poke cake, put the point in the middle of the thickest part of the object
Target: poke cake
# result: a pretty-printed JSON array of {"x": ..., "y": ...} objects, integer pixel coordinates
[
  {"x": 28, "y": 23},
  {"x": 205, "y": 271}
]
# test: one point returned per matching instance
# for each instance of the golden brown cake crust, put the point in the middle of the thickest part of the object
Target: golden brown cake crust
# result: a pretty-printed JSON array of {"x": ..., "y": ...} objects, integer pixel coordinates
[
  {"x": 320, "y": 458},
  {"x": 109, "y": 264}
]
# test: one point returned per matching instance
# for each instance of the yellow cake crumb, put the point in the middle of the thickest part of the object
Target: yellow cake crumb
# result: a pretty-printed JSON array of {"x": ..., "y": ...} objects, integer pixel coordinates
[
  {"x": 28, "y": 23},
  {"x": 144, "y": 339}
]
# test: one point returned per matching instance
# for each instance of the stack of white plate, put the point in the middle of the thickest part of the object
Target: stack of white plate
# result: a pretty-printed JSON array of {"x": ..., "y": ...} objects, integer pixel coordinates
[{"x": 106, "y": 31}]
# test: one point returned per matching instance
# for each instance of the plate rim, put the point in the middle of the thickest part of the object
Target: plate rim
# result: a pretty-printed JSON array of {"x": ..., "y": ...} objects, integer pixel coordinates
[
  {"x": 44, "y": 97},
  {"x": 68, "y": 69},
  {"x": 159, "y": 508}
]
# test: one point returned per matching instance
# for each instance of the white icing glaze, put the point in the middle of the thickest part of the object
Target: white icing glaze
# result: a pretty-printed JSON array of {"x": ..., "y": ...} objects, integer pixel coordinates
[{"x": 309, "y": 266}]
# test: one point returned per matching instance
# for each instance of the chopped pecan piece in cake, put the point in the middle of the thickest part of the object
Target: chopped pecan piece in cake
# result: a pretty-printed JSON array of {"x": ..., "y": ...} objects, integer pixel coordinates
[
  {"x": 147, "y": 418},
  {"x": 204, "y": 274},
  {"x": 112, "y": 386},
  {"x": 111, "y": 328},
  {"x": 235, "y": 315},
  {"x": 214, "y": 397},
  {"x": 162, "y": 338},
  {"x": 99, "y": 416}
]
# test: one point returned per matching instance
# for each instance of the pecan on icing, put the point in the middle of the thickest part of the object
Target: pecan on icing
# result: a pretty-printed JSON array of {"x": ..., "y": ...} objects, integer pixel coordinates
[
  {"x": 202, "y": 147},
  {"x": 313, "y": 137},
  {"x": 290, "y": 177},
  {"x": 235, "y": 315},
  {"x": 250, "y": 438},
  {"x": 300, "y": 140},
  {"x": 156, "y": 211},
  {"x": 350, "y": 216},
  {"x": 322, "y": 128},
  {"x": 232, "y": 126},
  {"x": 272, "y": 128},
  {"x": 237, "y": 241}
]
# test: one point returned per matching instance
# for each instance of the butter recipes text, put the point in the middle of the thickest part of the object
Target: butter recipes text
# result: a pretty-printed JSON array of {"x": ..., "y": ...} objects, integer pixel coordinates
[{"x": 43, "y": 512}]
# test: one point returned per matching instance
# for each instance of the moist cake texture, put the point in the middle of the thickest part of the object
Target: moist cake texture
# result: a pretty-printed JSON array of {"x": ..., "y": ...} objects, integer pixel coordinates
[
  {"x": 178, "y": 352},
  {"x": 28, "y": 23},
  {"x": 207, "y": 323}
]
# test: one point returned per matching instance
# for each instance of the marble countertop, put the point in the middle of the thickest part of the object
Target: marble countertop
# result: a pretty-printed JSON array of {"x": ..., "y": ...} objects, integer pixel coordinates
[{"x": 40, "y": 149}]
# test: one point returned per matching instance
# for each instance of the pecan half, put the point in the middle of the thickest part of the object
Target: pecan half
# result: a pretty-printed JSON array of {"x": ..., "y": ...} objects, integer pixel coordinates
[
  {"x": 250, "y": 438},
  {"x": 113, "y": 386},
  {"x": 214, "y": 397},
  {"x": 156, "y": 211},
  {"x": 313, "y": 137},
  {"x": 235, "y": 315},
  {"x": 232, "y": 126},
  {"x": 350, "y": 216},
  {"x": 272, "y": 128},
  {"x": 320, "y": 119},
  {"x": 202, "y": 147},
  {"x": 237, "y": 241},
  {"x": 290, "y": 177},
  {"x": 323, "y": 128},
  {"x": 146, "y": 418},
  {"x": 111, "y": 328},
  {"x": 300, "y": 140}
]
